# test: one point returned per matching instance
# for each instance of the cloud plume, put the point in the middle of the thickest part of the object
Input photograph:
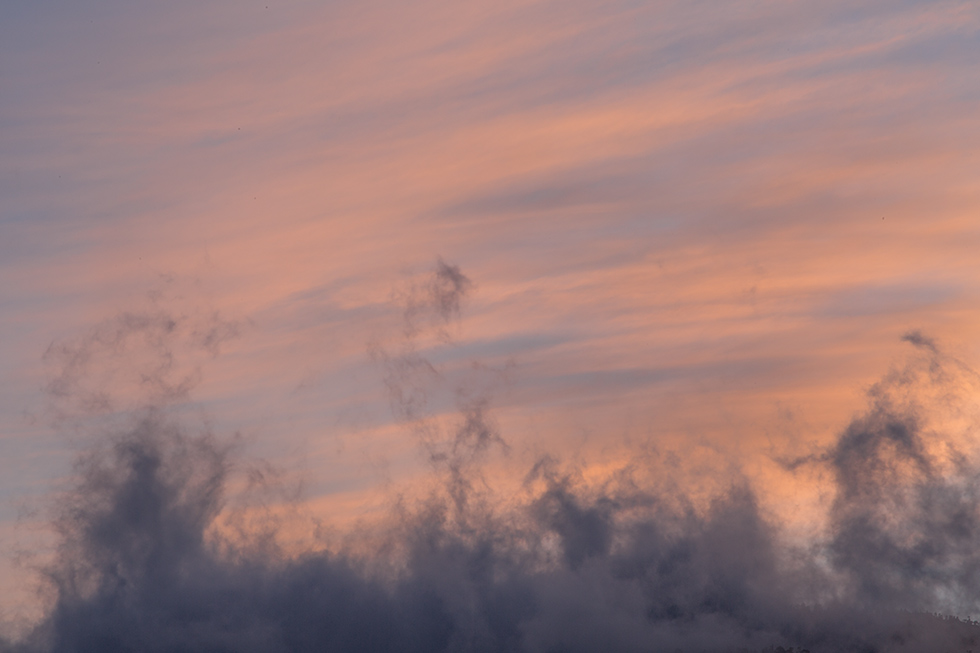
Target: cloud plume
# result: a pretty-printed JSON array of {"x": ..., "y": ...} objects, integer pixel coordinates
[{"x": 569, "y": 565}]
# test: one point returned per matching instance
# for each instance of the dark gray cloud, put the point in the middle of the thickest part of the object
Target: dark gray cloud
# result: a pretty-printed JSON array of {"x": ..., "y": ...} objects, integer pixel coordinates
[
  {"x": 906, "y": 518},
  {"x": 569, "y": 565},
  {"x": 574, "y": 569}
]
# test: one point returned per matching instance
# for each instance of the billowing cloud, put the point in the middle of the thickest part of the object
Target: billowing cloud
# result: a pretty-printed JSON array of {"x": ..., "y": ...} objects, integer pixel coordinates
[{"x": 146, "y": 559}]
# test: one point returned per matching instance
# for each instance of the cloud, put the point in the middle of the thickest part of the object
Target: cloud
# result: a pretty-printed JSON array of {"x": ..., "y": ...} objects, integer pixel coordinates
[
  {"x": 151, "y": 354},
  {"x": 572, "y": 564},
  {"x": 906, "y": 517}
]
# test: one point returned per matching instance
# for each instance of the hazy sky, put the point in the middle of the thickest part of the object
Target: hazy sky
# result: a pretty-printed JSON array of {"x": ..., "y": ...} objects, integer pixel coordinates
[{"x": 692, "y": 230}]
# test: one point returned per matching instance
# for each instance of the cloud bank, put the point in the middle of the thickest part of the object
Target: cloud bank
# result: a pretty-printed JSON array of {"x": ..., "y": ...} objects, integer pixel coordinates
[{"x": 146, "y": 560}]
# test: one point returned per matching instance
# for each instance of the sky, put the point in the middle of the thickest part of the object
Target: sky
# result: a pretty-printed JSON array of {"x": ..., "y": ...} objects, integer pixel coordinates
[{"x": 519, "y": 254}]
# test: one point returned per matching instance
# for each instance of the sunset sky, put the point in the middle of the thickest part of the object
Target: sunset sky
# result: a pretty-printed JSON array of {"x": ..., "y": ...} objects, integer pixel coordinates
[{"x": 688, "y": 231}]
